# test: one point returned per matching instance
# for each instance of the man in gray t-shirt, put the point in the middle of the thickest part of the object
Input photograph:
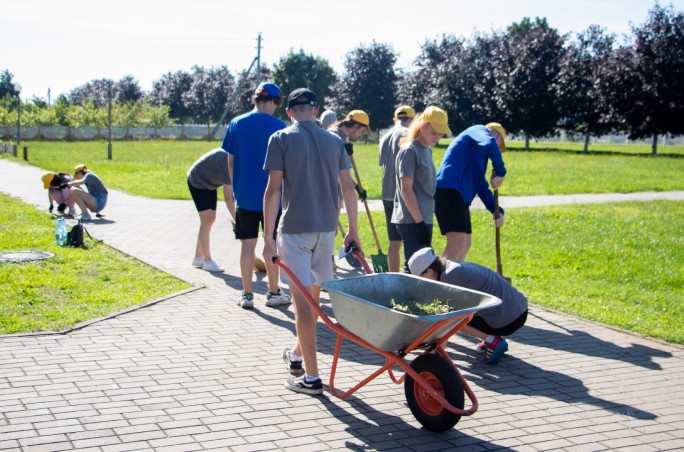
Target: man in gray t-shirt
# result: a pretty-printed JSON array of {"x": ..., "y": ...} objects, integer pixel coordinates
[
  {"x": 306, "y": 164},
  {"x": 488, "y": 324}
]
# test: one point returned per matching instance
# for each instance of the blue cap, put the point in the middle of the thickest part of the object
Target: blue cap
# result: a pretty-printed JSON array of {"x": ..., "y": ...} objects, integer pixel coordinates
[{"x": 268, "y": 89}]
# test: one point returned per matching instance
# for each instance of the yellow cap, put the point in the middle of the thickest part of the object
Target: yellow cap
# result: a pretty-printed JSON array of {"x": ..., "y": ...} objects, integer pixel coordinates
[
  {"x": 47, "y": 178},
  {"x": 80, "y": 167},
  {"x": 361, "y": 117},
  {"x": 438, "y": 119},
  {"x": 500, "y": 130},
  {"x": 404, "y": 111}
]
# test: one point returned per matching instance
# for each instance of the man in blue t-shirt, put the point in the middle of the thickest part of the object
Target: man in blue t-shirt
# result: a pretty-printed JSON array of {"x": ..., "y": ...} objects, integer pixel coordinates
[{"x": 245, "y": 141}]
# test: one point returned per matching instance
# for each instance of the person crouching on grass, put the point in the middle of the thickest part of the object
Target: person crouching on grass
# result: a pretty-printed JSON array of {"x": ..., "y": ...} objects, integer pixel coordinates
[
  {"x": 93, "y": 199},
  {"x": 488, "y": 324}
]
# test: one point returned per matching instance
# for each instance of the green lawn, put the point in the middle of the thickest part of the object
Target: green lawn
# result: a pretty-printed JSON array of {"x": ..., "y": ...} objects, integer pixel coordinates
[
  {"x": 73, "y": 286},
  {"x": 620, "y": 264}
]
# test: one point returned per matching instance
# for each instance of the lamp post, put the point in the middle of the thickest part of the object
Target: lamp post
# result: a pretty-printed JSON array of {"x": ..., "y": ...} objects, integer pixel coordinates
[{"x": 17, "y": 88}]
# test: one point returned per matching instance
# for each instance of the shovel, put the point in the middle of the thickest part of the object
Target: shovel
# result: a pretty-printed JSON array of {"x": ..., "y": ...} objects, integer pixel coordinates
[
  {"x": 499, "y": 268},
  {"x": 379, "y": 260}
]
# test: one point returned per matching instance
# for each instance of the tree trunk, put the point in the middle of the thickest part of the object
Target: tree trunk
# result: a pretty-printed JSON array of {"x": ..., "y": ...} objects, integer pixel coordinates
[
  {"x": 654, "y": 147},
  {"x": 527, "y": 142},
  {"x": 586, "y": 143}
]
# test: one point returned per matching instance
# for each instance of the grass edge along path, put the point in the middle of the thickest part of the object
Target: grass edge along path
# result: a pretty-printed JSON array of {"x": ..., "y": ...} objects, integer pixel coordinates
[{"x": 76, "y": 285}]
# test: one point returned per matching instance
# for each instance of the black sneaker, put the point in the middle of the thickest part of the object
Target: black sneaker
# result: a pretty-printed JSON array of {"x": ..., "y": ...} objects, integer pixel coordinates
[
  {"x": 294, "y": 367},
  {"x": 305, "y": 387}
]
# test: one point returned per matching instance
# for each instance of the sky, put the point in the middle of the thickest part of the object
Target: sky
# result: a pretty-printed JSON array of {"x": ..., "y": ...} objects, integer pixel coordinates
[{"x": 60, "y": 45}]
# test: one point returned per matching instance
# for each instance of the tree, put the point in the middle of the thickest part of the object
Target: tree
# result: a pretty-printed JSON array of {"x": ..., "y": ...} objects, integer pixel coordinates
[
  {"x": 169, "y": 90},
  {"x": 301, "y": 70},
  {"x": 67, "y": 114},
  {"x": 649, "y": 73},
  {"x": 95, "y": 90},
  {"x": 525, "y": 64},
  {"x": 584, "y": 85},
  {"x": 7, "y": 87},
  {"x": 208, "y": 94},
  {"x": 155, "y": 116},
  {"x": 369, "y": 83}
]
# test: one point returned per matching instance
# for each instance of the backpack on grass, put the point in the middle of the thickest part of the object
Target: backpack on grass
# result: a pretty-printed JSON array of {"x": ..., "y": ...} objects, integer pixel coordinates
[{"x": 75, "y": 236}]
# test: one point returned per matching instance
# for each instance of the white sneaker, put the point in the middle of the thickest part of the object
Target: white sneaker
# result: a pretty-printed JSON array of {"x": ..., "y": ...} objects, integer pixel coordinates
[
  {"x": 85, "y": 217},
  {"x": 246, "y": 301},
  {"x": 212, "y": 266},
  {"x": 198, "y": 261},
  {"x": 277, "y": 299}
]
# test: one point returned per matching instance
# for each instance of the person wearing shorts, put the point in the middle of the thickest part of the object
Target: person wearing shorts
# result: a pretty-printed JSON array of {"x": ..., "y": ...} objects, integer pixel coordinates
[
  {"x": 460, "y": 177},
  {"x": 94, "y": 199},
  {"x": 388, "y": 147},
  {"x": 245, "y": 141},
  {"x": 490, "y": 324},
  {"x": 205, "y": 176},
  {"x": 414, "y": 204},
  {"x": 307, "y": 164}
]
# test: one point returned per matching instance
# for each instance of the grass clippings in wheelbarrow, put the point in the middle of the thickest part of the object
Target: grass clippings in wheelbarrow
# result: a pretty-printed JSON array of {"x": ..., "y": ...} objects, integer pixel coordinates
[{"x": 414, "y": 308}]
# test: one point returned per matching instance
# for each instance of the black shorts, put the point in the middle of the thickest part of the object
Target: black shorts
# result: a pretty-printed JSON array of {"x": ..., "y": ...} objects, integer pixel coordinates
[
  {"x": 479, "y": 324},
  {"x": 204, "y": 199},
  {"x": 392, "y": 231},
  {"x": 452, "y": 213},
  {"x": 247, "y": 223}
]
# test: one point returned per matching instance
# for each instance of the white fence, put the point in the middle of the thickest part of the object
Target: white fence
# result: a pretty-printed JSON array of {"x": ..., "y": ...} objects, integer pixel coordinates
[{"x": 188, "y": 132}]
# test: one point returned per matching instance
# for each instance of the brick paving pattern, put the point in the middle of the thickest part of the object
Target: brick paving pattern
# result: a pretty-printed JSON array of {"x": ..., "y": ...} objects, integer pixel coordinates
[{"x": 197, "y": 372}]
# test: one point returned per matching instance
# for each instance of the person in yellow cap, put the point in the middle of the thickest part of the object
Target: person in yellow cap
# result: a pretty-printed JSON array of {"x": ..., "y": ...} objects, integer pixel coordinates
[
  {"x": 414, "y": 203},
  {"x": 95, "y": 198},
  {"x": 388, "y": 147},
  {"x": 58, "y": 192},
  {"x": 461, "y": 176}
]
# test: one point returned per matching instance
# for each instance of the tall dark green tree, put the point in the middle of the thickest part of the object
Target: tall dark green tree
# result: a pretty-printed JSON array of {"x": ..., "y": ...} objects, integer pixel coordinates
[
  {"x": 209, "y": 94},
  {"x": 369, "y": 83},
  {"x": 585, "y": 85},
  {"x": 650, "y": 75},
  {"x": 169, "y": 90},
  {"x": 125, "y": 90},
  {"x": 525, "y": 65},
  {"x": 7, "y": 87},
  {"x": 302, "y": 70}
]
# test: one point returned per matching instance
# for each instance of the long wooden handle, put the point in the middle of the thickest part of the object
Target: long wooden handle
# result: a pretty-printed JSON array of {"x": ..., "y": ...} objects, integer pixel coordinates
[
  {"x": 365, "y": 203},
  {"x": 499, "y": 268}
]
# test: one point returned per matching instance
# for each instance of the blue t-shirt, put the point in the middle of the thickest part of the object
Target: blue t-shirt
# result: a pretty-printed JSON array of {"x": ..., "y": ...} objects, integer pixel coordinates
[
  {"x": 247, "y": 139},
  {"x": 465, "y": 163}
]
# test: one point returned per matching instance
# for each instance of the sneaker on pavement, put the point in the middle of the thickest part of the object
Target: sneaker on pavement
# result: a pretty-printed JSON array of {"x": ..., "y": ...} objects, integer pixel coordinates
[
  {"x": 246, "y": 301},
  {"x": 495, "y": 350},
  {"x": 294, "y": 367},
  {"x": 86, "y": 217},
  {"x": 277, "y": 299},
  {"x": 481, "y": 347},
  {"x": 212, "y": 266},
  {"x": 198, "y": 262},
  {"x": 305, "y": 387}
]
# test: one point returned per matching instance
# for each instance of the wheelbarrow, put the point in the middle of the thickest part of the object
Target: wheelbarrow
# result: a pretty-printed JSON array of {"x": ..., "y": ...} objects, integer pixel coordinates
[{"x": 433, "y": 386}]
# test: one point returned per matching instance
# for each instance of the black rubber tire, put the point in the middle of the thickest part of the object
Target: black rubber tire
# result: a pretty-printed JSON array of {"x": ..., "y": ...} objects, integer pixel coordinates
[{"x": 442, "y": 376}]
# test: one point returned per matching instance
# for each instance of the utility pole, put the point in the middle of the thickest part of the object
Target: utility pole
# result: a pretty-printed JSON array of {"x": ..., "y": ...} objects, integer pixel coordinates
[{"x": 238, "y": 88}]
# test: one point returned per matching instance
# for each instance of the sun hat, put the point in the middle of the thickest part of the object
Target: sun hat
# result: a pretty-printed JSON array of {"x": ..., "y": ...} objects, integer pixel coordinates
[
  {"x": 500, "y": 130},
  {"x": 47, "y": 178},
  {"x": 80, "y": 167},
  {"x": 361, "y": 117},
  {"x": 438, "y": 119},
  {"x": 421, "y": 260},
  {"x": 266, "y": 89},
  {"x": 302, "y": 96},
  {"x": 404, "y": 111}
]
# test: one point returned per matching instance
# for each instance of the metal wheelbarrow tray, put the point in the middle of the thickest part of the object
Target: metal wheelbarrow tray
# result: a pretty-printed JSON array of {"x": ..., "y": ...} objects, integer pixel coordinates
[{"x": 433, "y": 386}]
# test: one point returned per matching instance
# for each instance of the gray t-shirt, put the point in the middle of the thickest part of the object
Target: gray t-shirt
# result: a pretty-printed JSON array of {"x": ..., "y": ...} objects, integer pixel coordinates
[
  {"x": 311, "y": 159},
  {"x": 210, "y": 171},
  {"x": 389, "y": 146},
  {"x": 415, "y": 160},
  {"x": 94, "y": 184},
  {"x": 477, "y": 277}
]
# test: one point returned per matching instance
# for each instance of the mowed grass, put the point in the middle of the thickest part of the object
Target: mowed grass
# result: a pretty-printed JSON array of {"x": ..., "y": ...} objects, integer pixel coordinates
[
  {"x": 158, "y": 169},
  {"x": 619, "y": 264},
  {"x": 73, "y": 286}
]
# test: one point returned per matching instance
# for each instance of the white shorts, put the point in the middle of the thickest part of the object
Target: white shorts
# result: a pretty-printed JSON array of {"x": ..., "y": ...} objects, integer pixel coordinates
[{"x": 308, "y": 255}]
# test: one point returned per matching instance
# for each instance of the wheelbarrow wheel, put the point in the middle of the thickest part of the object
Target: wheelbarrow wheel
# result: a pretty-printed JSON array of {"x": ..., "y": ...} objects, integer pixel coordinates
[{"x": 441, "y": 376}]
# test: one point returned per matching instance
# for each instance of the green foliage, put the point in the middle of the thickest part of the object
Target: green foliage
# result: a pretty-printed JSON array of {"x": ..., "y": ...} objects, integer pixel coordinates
[
  {"x": 302, "y": 70},
  {"x": 73, "y": 286}
]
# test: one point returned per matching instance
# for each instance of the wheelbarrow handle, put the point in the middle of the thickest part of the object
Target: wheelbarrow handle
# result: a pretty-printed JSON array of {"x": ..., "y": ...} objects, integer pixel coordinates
[{"x": 359, "y": 256}]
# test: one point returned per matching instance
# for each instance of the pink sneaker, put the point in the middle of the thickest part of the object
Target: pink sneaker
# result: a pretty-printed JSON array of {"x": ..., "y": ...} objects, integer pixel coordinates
[{"x": 495, "y": 350}]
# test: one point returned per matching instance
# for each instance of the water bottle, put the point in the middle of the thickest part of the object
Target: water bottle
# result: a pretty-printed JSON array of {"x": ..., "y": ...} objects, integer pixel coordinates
[{"x": 61, "y": 232}]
